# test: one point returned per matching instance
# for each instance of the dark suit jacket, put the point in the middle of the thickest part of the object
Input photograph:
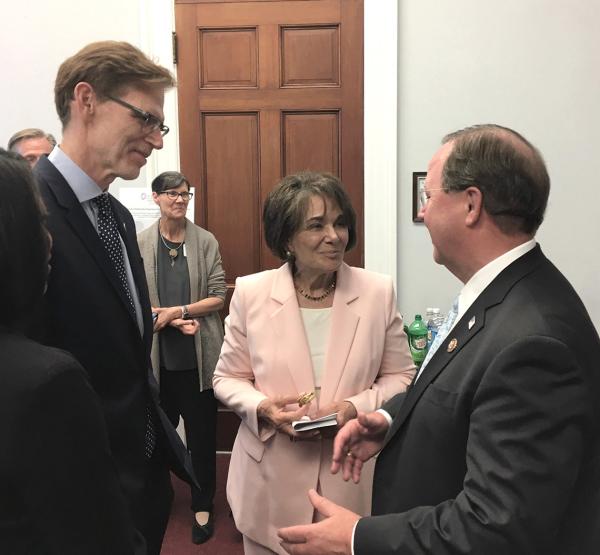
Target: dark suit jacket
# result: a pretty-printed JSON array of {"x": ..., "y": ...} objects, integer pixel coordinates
[
  {"x": 59, "y": 489},
  {"x": 495, "y": 450},
  {"x": 86, "y": 313}
]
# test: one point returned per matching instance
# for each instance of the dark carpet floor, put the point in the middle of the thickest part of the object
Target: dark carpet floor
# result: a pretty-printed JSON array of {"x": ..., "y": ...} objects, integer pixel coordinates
[{"x": 226, "y": 540}]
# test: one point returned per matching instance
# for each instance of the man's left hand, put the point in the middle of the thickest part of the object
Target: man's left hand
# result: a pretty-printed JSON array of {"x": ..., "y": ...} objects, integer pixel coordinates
[{"x": 332, "y": 536}]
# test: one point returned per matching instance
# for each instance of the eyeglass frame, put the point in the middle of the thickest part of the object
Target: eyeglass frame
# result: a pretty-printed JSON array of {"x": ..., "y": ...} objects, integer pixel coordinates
[
  {"x": 424, "y": 199},
  {"x": 148, "y": 119},
  {"x": 178, "y": 194}
]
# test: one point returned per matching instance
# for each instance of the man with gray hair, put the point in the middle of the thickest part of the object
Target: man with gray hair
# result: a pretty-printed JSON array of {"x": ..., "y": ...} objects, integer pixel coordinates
[
  {"x": 31, "y": 143},
  {"x": 495, "y": 447}
]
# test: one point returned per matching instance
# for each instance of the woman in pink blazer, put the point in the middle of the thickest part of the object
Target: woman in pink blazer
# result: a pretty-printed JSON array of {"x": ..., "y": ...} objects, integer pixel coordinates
[{"x": 313, "y": 325}]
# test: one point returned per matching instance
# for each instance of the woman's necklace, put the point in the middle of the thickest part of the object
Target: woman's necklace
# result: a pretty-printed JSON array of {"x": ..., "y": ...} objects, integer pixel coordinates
[
  {"x": 173, "y": 252},
  {"x": 326, "y": 294}
]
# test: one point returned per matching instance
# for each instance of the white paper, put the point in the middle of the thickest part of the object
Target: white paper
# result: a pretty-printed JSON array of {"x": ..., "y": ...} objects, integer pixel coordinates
[{"x": 306, "y": 423}]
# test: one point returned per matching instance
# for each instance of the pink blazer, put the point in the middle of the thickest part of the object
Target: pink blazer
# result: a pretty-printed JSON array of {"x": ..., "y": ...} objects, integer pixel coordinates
[{"x": 266, "y": 354}]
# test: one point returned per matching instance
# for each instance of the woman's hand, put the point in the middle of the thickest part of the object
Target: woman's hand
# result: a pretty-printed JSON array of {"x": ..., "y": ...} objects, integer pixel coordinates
[
  {"x": 187, "y": 327},
  {"x": 273, "y": 413},
  {"x": 346, "y": 411},
  {"x": 165, "y": 316}
]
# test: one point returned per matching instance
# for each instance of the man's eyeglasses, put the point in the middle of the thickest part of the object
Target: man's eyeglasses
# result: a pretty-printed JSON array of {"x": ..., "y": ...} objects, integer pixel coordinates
[
  {"x": 424, "y": 195},
  {"x": 173, "y": 195},
  {"x": 150, "y": 122}
]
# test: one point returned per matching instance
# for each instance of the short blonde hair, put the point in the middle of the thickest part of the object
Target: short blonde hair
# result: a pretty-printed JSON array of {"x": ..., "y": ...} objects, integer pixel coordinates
[{"x": 110, "y": 67}]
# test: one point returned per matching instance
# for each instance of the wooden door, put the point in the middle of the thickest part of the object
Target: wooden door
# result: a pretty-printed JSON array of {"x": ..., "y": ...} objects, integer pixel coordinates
[{"x": 267, "y": 88}]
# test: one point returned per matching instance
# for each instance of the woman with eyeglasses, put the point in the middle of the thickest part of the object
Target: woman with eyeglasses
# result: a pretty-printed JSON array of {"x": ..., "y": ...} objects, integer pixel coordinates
[{"x": 187, "y": 288}]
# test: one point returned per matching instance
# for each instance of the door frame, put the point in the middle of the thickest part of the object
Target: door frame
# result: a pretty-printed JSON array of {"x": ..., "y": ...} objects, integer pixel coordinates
[{"x": 380, "y": 125}]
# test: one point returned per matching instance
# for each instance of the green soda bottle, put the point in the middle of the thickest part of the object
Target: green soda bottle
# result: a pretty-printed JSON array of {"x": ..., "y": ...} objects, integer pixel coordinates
[{"x": 417, "y": 340}]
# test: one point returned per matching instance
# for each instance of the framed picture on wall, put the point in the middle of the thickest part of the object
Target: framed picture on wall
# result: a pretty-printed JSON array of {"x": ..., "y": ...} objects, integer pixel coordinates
[{"x": 418, "y": 194}]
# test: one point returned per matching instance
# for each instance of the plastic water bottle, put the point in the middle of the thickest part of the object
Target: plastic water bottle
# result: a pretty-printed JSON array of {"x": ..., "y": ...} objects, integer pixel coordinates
[
  {"x": 417, "y": 340},
  {"x": 439, "y": 318},
  {"x": 433, "y": 324}
]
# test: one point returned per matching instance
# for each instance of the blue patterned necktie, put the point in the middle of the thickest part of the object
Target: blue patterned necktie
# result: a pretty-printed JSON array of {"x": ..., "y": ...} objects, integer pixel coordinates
[
  {"x": 441, "y": 335},
  {"x": 109, "y": 235}
]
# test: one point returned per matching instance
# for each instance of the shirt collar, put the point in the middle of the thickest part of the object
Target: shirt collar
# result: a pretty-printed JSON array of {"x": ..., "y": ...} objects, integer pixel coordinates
[
  {"x": 484, "y": 276},
  {"x": 84, "y": 187}
]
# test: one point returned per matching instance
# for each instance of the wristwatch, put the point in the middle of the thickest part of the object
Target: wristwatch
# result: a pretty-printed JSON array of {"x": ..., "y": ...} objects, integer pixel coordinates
[{"x": 185, "y": 312}]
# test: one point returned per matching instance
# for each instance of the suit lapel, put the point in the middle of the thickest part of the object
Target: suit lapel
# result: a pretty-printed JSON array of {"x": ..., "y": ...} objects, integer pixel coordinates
[
  {"x": 344, "y": 322},
  {"x": 139, "y": 275},
  {"x": 289, "y": 330},
  {"x": 137, "y": 269},
  {"x": 80, "y": 224},
  {"x": 470, "y": 324}
]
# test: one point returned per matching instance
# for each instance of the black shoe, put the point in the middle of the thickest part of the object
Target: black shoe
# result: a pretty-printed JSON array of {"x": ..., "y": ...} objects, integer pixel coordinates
[{"x": 202, "y": 532}]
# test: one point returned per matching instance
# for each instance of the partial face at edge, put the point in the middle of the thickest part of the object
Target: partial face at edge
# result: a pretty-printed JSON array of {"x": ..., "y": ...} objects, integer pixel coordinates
[{"x": 32, "y": 149}]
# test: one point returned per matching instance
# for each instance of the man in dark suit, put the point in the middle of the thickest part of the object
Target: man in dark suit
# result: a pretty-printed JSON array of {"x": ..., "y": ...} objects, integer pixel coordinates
[
  {"x": 55, "y": 455},
  {"x": 109, "y": 97},
  {"x": 495, "y": 448}
]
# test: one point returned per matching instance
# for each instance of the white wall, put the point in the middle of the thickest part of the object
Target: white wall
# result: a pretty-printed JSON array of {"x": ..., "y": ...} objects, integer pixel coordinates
[{"x": 528, "y": 64}]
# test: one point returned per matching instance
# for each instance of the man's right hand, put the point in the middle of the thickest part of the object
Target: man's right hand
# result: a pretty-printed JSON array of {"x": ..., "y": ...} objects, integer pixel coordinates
[{"x": 358, "y": 441}]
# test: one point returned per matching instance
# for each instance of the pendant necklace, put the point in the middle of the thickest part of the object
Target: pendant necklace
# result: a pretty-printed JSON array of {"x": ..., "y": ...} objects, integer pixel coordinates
[{"x": 173, "y": 252}]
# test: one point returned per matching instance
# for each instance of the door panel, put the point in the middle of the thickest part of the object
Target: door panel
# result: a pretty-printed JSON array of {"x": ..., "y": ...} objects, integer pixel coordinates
[
  {"x": 231, "y": 167},
  {"x": 310, "y": 140}
]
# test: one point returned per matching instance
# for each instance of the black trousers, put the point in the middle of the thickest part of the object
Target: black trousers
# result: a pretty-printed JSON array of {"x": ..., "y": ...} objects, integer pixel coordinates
[
  {"x": 152, "y": 509},
  {"x": 180, "y": 395}
]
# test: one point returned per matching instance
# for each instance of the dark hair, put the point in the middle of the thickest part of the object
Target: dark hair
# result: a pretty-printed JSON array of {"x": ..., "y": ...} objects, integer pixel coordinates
[
  {"x": 508, "y": 170},
  {"x": 169, "y": 180},
  {"x": 110, "y": 67},
  {"x": 286, "y": 205},
  {"x": 24, "y": 241}
]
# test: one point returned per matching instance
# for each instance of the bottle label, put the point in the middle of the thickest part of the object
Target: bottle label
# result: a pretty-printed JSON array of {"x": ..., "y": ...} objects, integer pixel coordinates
[
  {"x": 418, "y": 348},
  {"x": 419, "y": 342}
]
